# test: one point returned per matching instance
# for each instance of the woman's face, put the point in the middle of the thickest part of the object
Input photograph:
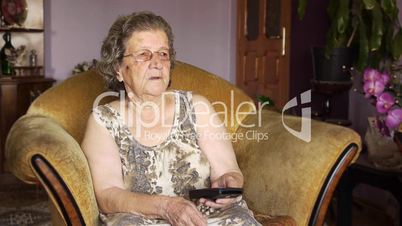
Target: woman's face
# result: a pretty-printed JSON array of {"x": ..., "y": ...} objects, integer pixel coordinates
[{"x": 146, "y": 78}]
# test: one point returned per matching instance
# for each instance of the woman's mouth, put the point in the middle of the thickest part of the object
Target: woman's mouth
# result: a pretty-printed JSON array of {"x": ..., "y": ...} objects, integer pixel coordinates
[{"x": 154, "y": 77}]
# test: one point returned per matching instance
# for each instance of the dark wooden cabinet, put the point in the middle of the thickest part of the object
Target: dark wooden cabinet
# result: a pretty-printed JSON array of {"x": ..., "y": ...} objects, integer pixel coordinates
[{"x": 15, "y": 97}]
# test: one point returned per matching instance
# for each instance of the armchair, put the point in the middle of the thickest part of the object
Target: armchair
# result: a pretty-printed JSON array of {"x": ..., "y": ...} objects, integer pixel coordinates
[{"x": 283, "y": 174}]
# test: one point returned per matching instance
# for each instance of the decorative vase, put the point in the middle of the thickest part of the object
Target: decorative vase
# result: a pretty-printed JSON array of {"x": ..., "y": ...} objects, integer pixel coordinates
[{"x": 382, "y": 150}]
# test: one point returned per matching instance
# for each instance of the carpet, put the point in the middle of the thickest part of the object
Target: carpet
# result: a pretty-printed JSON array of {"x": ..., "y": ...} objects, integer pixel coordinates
[{"x": 22, "y": 204}]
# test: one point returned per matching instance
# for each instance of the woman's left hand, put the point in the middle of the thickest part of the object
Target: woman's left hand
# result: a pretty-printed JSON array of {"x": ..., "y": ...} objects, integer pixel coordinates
[{"x": 227, "y": 180}]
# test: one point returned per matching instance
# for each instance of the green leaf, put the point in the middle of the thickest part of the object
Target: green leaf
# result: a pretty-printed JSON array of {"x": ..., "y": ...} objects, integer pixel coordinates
[
  {"x": 388, "y": 38},
  {"x": 332, "y": 8},
  {"x": 363, "y": 47},
  {"x": 390, "y": 9},
  {"x": 343, "y": 16},
  {"x": 397, "y": 45},
  {"x": 374, "y": 59},
  {"x": 301, "y": 8},
  {"x": 331, "y": 40},
  {"x": 369, "y": 4},
  {"x": 376, "y": 28},
  {"x": 265, "y": 100}
]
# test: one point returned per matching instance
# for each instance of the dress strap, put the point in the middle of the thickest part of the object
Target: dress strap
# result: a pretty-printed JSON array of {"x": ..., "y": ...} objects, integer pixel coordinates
[
  {"x": 109, "y": 118},
  {"x": 190, "y": 109}
]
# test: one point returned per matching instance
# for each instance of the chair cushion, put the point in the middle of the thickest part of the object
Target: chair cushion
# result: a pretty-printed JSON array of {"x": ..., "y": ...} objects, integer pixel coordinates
[
  {"x": 267, "y": 220},
  {"x": 226, "y": 98}
]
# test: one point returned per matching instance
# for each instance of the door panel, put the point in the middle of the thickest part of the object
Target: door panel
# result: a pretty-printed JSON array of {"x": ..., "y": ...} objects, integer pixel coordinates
[
  {"x": 272, "y": 19},
  {"x": 252, "y": 20},
  {"x": 263, "y": 48},
  {"x": 250, "y": 64},
  {"x": 270, "y": 71}
]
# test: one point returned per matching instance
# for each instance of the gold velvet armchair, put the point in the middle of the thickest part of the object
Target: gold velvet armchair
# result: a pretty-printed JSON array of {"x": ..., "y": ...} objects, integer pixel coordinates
[{"x": 283, "y": 174}]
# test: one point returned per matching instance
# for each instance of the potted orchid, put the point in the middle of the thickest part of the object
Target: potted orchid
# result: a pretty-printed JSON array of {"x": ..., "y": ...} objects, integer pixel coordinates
[{"x": 384, "y": 93}]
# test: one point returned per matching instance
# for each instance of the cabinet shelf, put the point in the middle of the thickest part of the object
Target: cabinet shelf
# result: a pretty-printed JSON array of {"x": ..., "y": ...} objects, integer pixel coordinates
[{"x": 20, "y": 29}]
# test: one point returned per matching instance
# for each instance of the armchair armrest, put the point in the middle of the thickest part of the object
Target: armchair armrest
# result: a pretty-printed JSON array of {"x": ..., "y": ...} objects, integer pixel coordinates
[
  {"x": 285, "y": 175},
  {"x": 38, "y": 147}
]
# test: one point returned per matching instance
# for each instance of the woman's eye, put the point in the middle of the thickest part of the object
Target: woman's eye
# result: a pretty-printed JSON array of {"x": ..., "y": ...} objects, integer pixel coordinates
[{"x": 163, "y": 54}]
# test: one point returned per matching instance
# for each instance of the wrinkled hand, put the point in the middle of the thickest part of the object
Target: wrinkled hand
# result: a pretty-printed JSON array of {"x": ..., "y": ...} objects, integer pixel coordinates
[
  {"x": 181, "y": 212},
  {"x": 227, "y": 180}
]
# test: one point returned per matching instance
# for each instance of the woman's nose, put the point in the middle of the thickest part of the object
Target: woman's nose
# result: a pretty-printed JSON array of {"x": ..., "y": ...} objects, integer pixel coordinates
[{"x": 156, "y": 62}]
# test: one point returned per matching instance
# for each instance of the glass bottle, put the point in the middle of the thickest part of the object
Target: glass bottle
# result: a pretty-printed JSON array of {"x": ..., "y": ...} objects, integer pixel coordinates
[
  {"x": 33, "y": 58},
  {"x": 8, "y": 48}
]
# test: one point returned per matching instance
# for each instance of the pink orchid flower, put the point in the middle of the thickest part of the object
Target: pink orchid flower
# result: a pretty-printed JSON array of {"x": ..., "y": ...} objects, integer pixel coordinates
[
  {"x": 394, "y": 118},
  {"x": 373, "y": 88},
  {"x": 384, "y": 102},
  {"x": 371, "y": 74},
  {"x": 385, "y": 78}
]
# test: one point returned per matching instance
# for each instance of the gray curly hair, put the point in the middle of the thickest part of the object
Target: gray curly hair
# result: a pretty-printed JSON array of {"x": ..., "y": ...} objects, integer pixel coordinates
[{"x": 114, "y": 45}]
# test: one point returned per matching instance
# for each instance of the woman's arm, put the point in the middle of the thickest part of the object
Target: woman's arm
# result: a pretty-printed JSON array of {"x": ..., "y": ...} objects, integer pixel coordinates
[
  {"x": 215, "y": 143},
  {"x": 106, "y": 170},
  {"x": 104, "y": 161}
]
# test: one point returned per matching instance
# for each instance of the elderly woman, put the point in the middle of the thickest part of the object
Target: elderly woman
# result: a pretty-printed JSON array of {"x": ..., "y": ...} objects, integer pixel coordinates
[{"x": 149, "y": 148}]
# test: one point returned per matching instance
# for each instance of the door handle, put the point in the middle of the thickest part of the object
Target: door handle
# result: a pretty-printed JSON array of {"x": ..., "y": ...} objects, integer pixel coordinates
[
  {"x": 257, "y": 67},
  {"x": 283, "y": 41}
]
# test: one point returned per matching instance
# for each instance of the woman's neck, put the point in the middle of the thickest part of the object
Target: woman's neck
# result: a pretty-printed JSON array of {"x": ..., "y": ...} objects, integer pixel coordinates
[{"x": 145, "y": 101}]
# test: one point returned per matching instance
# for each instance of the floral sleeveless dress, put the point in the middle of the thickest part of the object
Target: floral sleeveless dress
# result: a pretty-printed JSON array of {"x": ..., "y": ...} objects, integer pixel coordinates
[{"x": 171, "y": 168}]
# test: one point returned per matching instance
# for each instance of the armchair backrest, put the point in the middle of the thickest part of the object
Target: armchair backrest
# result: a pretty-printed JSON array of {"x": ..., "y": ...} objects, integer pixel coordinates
[
  {"x": 64, "y": 109},
  {"x": 70, "y": 102}
]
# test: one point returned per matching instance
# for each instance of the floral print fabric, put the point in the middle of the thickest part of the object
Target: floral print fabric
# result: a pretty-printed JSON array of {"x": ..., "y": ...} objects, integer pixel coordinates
[{"x": 171, "y": 168}]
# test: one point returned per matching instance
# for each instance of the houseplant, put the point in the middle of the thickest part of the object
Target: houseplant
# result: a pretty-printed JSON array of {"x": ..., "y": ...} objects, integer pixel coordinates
[
  {"x": 384, "y": 92},
  {"x": 369, "y": 27}
]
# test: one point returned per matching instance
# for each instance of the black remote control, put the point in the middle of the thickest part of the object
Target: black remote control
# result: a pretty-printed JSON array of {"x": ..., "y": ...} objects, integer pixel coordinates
[{"x": 215, "y": 193}]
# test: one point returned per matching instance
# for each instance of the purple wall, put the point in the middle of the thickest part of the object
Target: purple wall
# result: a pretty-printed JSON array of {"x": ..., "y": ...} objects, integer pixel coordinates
[
  {"x": 205, "y": 31},
  {"x": 308, "y": 32}
]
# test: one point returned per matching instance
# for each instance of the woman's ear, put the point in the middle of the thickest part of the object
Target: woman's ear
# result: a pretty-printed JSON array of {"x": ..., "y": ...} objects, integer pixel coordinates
[{"x": 119, "y": 76}]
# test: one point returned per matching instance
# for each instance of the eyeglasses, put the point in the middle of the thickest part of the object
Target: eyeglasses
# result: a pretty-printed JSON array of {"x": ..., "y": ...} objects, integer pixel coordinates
[{"x": 146, "y": 55}]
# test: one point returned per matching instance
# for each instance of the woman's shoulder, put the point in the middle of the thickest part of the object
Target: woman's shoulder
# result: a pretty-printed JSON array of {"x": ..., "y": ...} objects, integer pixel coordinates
[
  {"x": 195, "y": 97},
  {"x": 200, "y": 103},
  {"x": 200, "y": 98},
  {"x": 107, "y": 106},
  {"x": 106, "y": 111},
  {"x": 114, "y": 104}
]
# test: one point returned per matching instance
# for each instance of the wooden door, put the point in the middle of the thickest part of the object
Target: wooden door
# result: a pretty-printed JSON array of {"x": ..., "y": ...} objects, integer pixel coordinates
[{"x": 263, "y": 38}]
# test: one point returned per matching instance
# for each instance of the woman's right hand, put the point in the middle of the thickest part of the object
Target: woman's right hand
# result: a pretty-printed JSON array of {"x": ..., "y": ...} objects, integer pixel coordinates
[{"x": 181, "y": 212}]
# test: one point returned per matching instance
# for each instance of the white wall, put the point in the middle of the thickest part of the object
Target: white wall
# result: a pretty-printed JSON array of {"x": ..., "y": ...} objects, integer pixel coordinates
[{"x": 204, "y": 30}]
